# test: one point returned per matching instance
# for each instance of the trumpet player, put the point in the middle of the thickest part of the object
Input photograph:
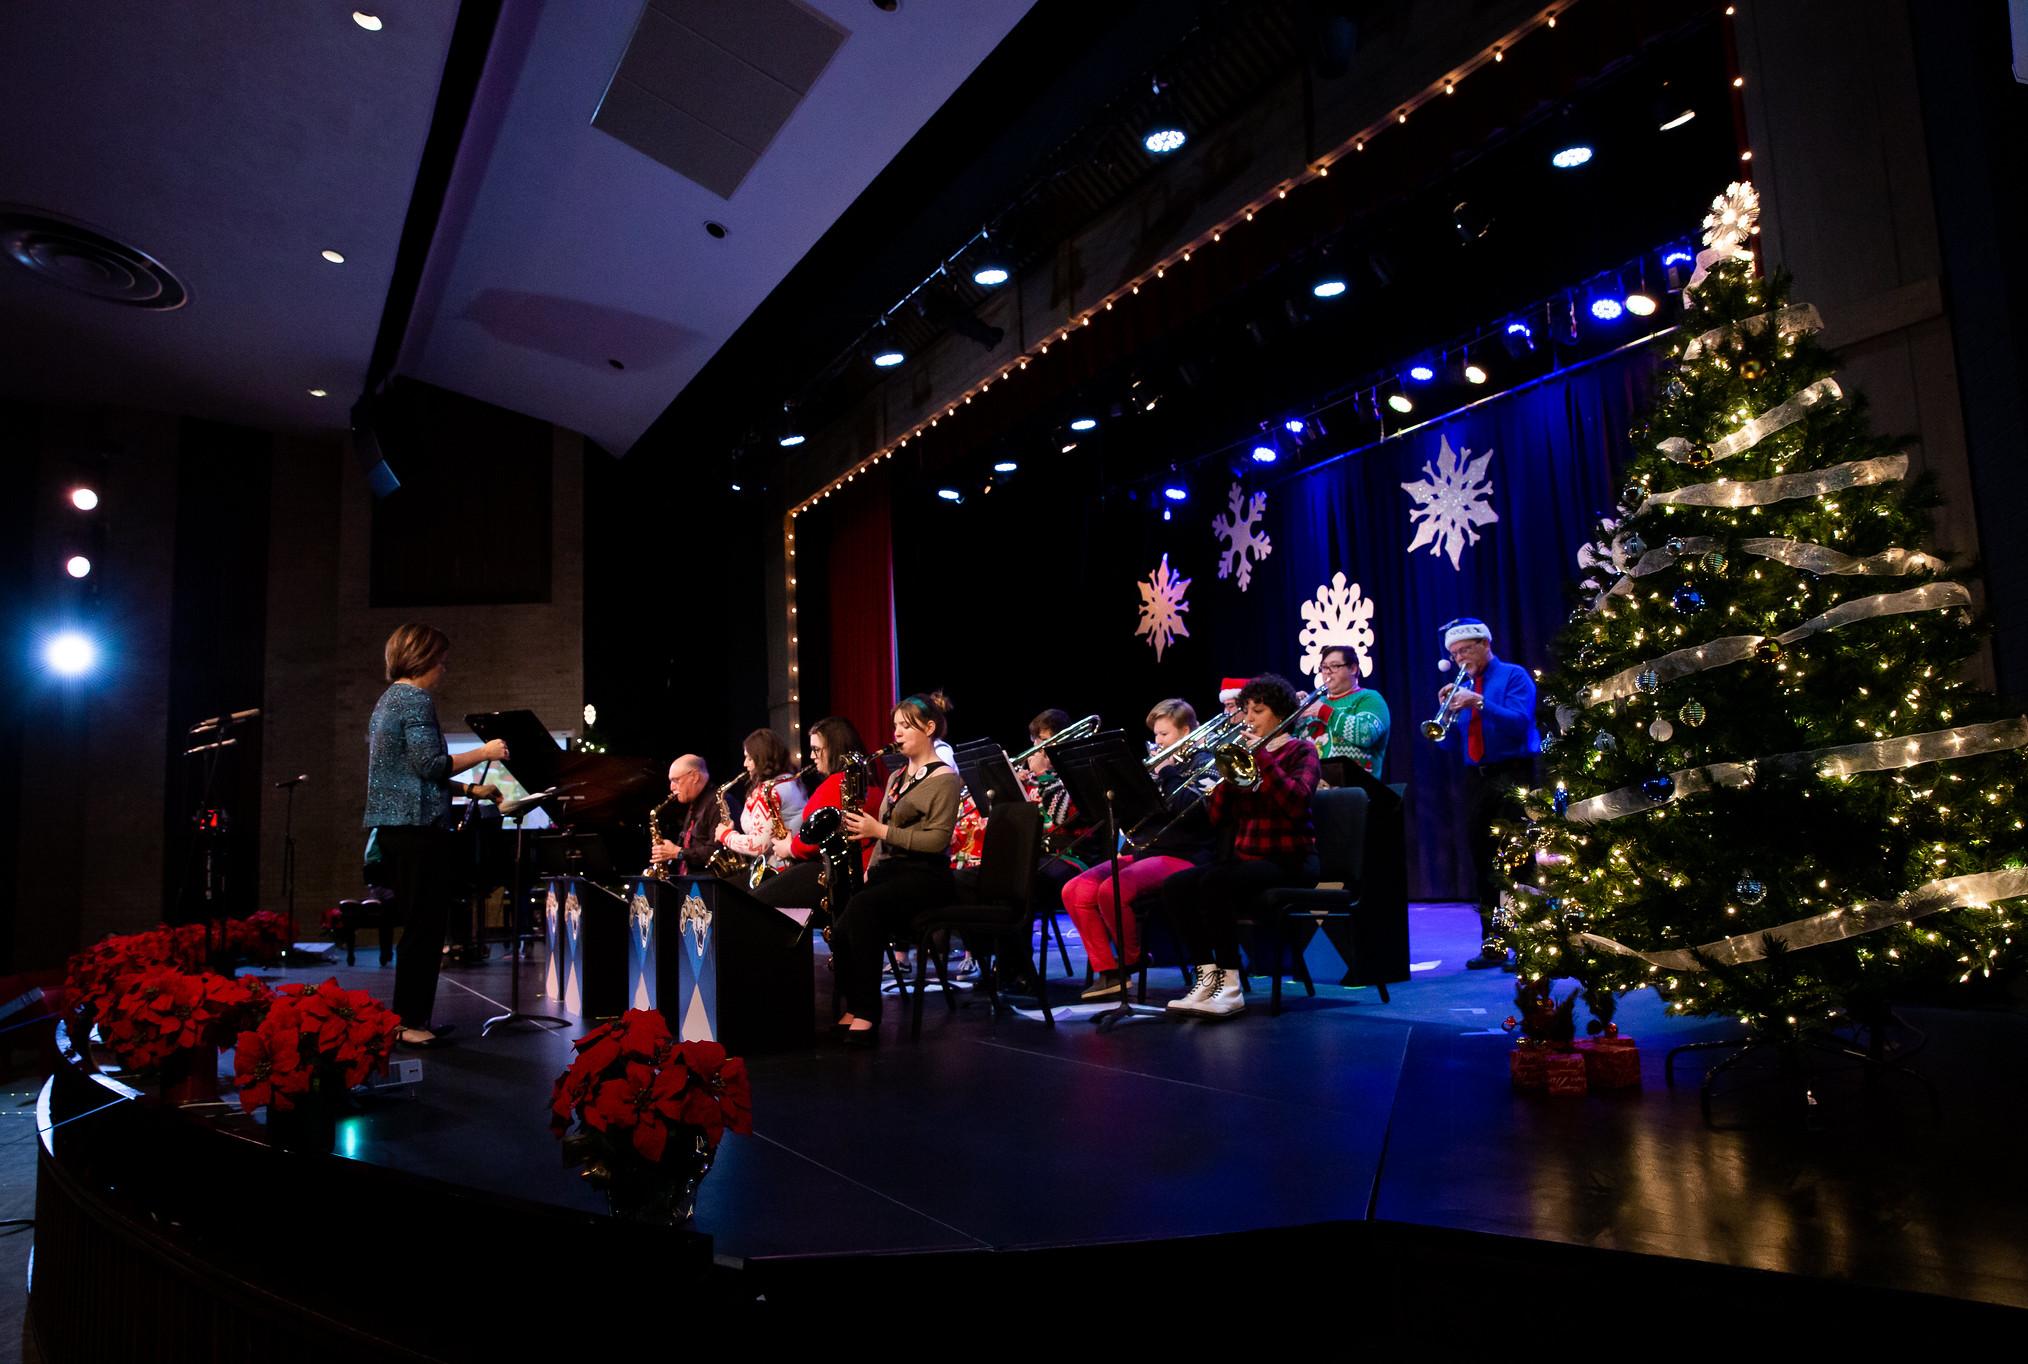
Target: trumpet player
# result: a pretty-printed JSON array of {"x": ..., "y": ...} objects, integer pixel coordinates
[
  {"x": 1274, "y": 843},
  {"x": 772, "y": 792},
  {"x": 1493, "y": 703},
  {"x": 1088, "y": 896},
  {"x": 690, "y": 849}
]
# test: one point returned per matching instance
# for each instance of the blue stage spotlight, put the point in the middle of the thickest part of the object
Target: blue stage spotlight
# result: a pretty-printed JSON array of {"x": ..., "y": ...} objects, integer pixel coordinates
[
  {"x": 1422, "y": 374},
  {"x": 1678, "y": 256},
  {"x": 1264, "y": 454},
  {"x": 70, "y": 653},
  {"x": 1295, "y": 426},
  {"x": 1176, "y": 492}
]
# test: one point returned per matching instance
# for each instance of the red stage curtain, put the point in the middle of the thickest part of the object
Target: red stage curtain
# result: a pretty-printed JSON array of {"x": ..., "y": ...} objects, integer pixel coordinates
[{"x": 860, "y": 581}]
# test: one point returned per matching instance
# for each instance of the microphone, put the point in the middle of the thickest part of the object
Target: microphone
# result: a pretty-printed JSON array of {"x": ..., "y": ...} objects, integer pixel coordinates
[{"x": 291, "y": 781}]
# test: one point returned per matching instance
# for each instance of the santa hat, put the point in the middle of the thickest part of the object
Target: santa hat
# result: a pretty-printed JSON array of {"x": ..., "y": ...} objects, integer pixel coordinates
[
  {"x": 1466, "y": 627},
  {"x": 1230, "y": 688}
]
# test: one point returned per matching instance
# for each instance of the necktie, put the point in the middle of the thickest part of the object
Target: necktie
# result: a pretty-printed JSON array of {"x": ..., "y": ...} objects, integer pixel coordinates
[{"x": 1475, "y": 736}]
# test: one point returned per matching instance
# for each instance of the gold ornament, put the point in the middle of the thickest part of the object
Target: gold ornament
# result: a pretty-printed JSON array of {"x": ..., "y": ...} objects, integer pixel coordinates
[
  {"x": 1751, "y": 370},
  {"x": 1768, "y": 651}
]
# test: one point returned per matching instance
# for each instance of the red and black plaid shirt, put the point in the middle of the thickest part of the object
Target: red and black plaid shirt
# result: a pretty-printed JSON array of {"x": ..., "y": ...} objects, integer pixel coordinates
[{"x": 1272, "y": 819}]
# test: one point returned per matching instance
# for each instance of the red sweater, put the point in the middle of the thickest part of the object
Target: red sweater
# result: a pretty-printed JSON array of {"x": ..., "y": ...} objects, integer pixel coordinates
[
  {"x": 1273, "y": 817},
  {"x": 830, "y": 791}
]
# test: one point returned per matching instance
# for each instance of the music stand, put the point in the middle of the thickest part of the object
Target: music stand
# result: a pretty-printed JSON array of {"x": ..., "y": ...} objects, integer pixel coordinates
[
  {"x": 517, "y": 925},
  {"x": 987, "y": 774},
  {"x": 1104, "y": 772}
]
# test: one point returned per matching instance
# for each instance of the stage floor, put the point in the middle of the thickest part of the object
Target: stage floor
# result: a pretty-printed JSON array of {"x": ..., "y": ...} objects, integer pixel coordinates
[{"x": 1007, "y": 1134}]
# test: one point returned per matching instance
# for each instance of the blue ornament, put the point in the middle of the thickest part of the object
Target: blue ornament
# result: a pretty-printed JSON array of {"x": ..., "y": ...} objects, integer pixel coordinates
[
  {"x": 1659, "y": 788},
  {"x": 1750, "y": 890},
  {"x": 1688, "y": 601},
  {"x": 1560, "y": 801}
]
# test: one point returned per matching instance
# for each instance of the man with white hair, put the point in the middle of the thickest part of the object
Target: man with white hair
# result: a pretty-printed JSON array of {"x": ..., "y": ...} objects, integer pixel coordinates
[
  {"x": 1492, "y": 706},
  {"x": 692, "y": 823}
]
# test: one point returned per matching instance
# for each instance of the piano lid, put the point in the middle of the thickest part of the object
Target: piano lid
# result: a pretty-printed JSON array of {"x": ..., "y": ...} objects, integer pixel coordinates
[{"x": 602, "y": 788}]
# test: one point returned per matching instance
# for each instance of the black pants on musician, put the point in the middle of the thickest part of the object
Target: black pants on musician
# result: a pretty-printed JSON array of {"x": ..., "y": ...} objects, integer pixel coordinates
[
  {"x": 1490, "y": 799},
  {"x": 883, "y": 910},
  {"x": 1204, "y": 903},
  {"x": 419, "y": 866}
]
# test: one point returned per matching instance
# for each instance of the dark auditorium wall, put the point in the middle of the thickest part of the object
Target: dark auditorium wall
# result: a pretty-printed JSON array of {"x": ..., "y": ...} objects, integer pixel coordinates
[{"x": 233, "y": 572}]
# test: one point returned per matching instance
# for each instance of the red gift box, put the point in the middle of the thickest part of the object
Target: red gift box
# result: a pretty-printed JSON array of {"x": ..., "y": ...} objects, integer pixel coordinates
[
  {"x": 1565, "y": 1071},
  {"x": 1527, "y": 1064},
  {"x": 1612, "y": 1062}
]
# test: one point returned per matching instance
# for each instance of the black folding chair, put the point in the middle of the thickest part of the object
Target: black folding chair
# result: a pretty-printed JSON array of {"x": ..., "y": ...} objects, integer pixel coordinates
[{"x": 1002, "y": 907}]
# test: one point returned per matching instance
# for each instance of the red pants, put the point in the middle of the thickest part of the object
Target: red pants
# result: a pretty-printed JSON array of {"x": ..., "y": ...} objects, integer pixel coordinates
[{"x": 1089, "y": 899}]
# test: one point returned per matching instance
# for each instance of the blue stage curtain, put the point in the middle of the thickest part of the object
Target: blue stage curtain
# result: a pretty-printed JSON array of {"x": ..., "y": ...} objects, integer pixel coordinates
[{"x": 1026, "y": 599}]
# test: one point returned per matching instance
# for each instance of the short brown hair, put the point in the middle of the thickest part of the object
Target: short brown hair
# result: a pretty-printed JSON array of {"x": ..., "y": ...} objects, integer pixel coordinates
[
  {"x": 1176, "y": 711},
  {"x": 770, "y": 755},
  {"x": 924, "y": 714},
  {"x": 413, "y": 650},
  {"x": 1050, "y": 722}
]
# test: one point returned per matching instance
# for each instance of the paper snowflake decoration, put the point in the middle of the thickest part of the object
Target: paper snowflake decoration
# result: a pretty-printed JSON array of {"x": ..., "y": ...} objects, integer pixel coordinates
[
  {"x": 1337, "y": 615},
  {"x": 1452, "y": 499},
  {"x": 1162, "y": 608},
  {"x": 1734, "y": 216},
  {"x": 1245, "y": 544}
]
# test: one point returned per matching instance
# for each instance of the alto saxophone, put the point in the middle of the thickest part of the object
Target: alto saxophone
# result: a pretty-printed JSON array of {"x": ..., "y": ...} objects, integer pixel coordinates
[
  {"x": 657, "y": 870},
  {"x": 777, "y": 828},
  {"x": 724, "y": 863}
]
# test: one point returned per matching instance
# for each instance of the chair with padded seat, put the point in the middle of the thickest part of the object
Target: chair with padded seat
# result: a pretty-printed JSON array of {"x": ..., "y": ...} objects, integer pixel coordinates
[{"x": 1002, "y": 906}]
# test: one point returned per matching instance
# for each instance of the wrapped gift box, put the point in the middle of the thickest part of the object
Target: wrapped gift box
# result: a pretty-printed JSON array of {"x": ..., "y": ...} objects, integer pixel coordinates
[
  {"x": 1527, "y": 1064},
  {"x": 1565, "y": 1072},
  {"x": 1611, "y": 1062}
]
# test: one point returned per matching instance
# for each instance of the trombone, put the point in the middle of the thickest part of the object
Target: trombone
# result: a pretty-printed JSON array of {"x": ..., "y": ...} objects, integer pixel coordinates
[
  {"x": 1076, "y": 729},
  {"x": 1210, "y": 734},
  {"x": 1239, "y": 762},
  {"x": 1437, "y": 728}
]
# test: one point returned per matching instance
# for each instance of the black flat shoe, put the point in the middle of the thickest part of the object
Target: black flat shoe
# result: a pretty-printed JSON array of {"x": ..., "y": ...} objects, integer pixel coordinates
[{"x": 862, "y": 1039}]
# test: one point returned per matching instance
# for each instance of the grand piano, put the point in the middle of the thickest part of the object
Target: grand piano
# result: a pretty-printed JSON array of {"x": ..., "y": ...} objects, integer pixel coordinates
[{"x": 719, "y": 964}]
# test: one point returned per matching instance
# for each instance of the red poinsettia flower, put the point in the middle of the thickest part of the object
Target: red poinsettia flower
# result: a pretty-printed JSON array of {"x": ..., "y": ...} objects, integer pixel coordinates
[
  {"x": 642, "y": 1032},
  {"x": 736, "y": 1096},
  {"x": 701, "y": 1109},
  {"x": 706, "y": 1058}
]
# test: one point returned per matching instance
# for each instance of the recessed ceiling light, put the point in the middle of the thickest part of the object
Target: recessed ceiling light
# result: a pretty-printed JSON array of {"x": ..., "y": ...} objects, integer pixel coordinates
[
  {"x": 989, "y": 276},
  {"x": 84, "y": 499},
  {"x": 369, "y": 22},
  {"x": 1571, "y": 157},
  {"x": 1005, "y": 466},
  {"x": 334, "y": 257},
  {"x": 888, "y": 357},
  {"x": 1084, "y": 423},
  {"x": 1400, "y": 402},
  {"x": 320, "y": 393},
  {"x": 1328, "y": 288}
]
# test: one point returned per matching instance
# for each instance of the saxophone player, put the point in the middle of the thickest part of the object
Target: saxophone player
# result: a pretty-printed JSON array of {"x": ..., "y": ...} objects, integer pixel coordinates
[
  {"x": 835, "y": 751},
  {"x": 690, "y": 820},
  {"x": 773, "y": 796}
]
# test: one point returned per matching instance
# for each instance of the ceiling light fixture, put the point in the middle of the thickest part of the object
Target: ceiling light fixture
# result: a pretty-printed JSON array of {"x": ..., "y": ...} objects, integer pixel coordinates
[
  {"x": 320, "y": 393},
  {"x": 1005, "y": 466},
  {"x": 1328, "y": 288},
  {"x": 369, "y": 22},
  {"x": 1083, "y": 423},
  {"x": 990, "y": 276},
  {"x": 1572, "y": 156},
  {"x": 1400, "y": 402},
  {"x": 1264, "y": 454},
  {"x": 1640, "y": 304},
  {"x": 334, "y": 257},
  {"x": 1474, "y": 373},
  {"x": 78, "y": 566},
  {"x": 84, "y": 499}
]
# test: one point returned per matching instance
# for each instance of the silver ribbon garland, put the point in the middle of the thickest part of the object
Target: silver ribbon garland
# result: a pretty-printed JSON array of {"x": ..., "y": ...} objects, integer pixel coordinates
[
  {"x": 1868, "y": 916},
  {"x": 1733, "y": 648},
  {"x": 1790, "y": 321},
  {"x": 1818, "y": 559},
  {"x": 1759, "y": 428},
  {"x": 1862, "y": 473},
  {"x": 1841, "y": 760}
]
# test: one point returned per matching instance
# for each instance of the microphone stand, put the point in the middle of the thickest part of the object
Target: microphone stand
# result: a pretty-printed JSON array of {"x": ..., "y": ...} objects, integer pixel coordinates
[
  {"x": 1126, "y": 1011},
  {"x": 289, "y": 852},
  {"x": 517, "y": 924}
]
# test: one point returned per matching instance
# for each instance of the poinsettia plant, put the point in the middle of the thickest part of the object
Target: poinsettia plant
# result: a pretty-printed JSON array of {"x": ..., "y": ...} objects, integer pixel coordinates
[
  {"x": 311, "y": 1033},
  {"x": 98, "y": 976},
  {"x": 159, "y": 1010},
  {"x": 633, "y": 1087}
]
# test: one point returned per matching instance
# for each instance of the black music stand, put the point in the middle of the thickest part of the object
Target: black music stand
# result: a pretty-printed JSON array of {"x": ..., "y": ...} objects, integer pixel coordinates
[
  {"x": 537, "y": 764},
  {"x": 987, "y": 774},
  {"x": 1105, "y": 772}
]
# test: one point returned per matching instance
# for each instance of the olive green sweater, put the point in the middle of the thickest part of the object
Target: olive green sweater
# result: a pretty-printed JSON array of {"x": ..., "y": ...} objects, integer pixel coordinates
[{"x": 918, "y": 824}]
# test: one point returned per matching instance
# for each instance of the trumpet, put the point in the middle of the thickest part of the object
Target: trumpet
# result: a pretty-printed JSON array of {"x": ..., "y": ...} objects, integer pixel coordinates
[
  {"x": 1210, "y": 734},
  {"x": 1437, "y": 728},
  {"x": 1076, "y": 729},
  {"x": 1239, "y": 762}
]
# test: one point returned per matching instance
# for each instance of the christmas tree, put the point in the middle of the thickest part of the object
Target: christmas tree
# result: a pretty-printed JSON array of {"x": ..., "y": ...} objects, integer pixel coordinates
[{"x": 1772, "y": 792}]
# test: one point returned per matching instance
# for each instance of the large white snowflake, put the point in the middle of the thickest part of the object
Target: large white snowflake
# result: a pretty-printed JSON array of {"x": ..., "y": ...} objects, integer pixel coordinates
[
  {"x": 1337, "y": 615},
  {"x": 1245, "y": 545},
  {"x": 1162, "y": 607},
  {"x": 1734, "y": 216},
  {"x": 1452, "y": 499},
  {"x": 1596, "y": 554}
]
